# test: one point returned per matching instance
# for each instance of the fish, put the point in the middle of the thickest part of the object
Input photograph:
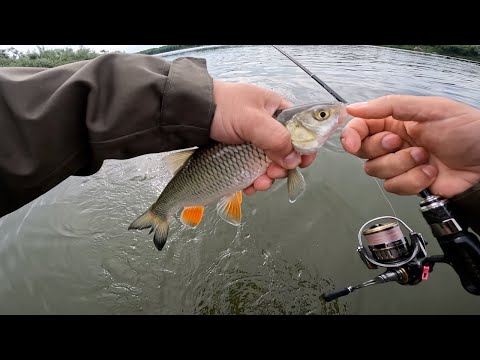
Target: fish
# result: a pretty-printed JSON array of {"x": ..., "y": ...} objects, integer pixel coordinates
[{"x": 218, "y": 172}]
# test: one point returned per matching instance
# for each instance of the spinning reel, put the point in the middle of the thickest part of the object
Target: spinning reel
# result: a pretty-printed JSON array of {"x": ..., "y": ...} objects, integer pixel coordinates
[{"x": 405, "y": 259}]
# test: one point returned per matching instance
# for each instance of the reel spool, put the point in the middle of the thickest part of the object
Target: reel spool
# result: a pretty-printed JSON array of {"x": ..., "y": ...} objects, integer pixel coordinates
[{"x": 387, "y": 245}]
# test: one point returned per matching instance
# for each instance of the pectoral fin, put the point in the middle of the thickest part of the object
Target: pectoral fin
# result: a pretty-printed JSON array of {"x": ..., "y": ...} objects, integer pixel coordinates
[
  {"x": 296, "y": 185},
  {"x": 229, "y": 208},
  {"x": 192, "y": 216}
]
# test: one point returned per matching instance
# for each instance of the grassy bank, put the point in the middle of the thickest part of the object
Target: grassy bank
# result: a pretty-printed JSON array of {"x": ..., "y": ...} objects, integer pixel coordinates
[
  {"x": 45, "y": 58},
  {"x": 49, "y": 58},
  {"x": 469, "y": 52}
]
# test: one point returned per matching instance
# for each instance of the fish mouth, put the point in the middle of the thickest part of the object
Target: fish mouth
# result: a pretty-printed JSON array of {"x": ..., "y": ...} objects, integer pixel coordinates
[
  {"x": 311, "y": 146},
  {"x": 305, "y": 147}
]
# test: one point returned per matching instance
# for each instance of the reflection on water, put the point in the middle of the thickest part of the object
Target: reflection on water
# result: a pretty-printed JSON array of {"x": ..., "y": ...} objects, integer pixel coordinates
[{"x": 70, "y": 252}]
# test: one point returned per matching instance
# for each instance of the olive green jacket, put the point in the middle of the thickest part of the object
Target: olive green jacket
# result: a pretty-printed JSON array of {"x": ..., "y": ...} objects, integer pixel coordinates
[{"x": 66, "y": 121}]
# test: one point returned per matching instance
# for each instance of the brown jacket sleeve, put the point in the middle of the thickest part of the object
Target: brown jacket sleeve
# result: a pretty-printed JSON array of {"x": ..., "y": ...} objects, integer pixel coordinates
[{"x": 65, "y": 121}]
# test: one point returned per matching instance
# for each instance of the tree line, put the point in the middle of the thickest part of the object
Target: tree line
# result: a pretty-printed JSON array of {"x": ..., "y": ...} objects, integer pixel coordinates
[
  {"x": 468, "y": 52},
  {"x": 46, "y": 58},
  {"x": 166, "y": 48}
]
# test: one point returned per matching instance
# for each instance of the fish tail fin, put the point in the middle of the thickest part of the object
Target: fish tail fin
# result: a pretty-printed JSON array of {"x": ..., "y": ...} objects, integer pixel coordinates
[
  {"x": 159, "y": 224},
  {"x": 296, "y": 185}
]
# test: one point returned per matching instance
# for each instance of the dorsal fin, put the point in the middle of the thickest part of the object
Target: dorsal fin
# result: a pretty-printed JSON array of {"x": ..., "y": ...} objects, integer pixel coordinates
[{"x": 176, "y": 160}]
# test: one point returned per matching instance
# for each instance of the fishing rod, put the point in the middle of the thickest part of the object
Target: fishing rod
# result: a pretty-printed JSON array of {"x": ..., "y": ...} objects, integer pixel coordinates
[
  {"x": 406, "y": 261},
  {"x": 424, "y": 193},
  {"x": 313, "y": 76}
]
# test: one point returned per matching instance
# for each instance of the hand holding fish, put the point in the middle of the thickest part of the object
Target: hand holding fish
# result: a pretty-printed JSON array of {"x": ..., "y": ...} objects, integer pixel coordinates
[
  {"x": 254, "y": 144},
  {"x": 244, "y": 115},
  {"x": 416, "y": 143}
]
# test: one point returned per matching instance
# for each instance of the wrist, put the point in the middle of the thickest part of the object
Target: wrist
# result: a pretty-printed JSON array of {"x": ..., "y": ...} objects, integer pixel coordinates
[{"x": 216, "y": 118}]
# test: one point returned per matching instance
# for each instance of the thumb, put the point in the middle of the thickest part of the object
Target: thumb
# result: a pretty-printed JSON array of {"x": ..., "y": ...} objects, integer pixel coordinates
[
  {"x": 405, "y": 108},
  {"x": 273, "y": 101},
  {"x": 270, "y": 135}
]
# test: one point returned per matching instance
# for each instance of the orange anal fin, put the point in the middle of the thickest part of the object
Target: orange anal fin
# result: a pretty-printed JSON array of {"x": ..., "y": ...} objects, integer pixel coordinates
[{"x": 192, "y": 216}]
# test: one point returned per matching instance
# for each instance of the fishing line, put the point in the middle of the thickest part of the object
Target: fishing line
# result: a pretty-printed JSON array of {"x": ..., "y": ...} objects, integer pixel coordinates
[
  {"x": 381, "y": 190},
  {"x": 340, "y": 99}
]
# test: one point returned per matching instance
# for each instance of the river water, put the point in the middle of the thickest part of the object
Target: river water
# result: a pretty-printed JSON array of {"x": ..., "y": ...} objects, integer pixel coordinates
[{"x": 69, "y": 251}]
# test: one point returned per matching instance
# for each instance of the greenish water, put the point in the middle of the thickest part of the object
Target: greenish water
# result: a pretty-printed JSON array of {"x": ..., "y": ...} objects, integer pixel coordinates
[{"x": 70, "y": 252}]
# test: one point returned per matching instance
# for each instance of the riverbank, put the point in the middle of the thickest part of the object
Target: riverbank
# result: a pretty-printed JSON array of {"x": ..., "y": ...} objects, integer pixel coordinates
[
  {"x": 166, "y": 48},
  {"x": 56, "y": 57},
  {"x": 467, "y": 52}
]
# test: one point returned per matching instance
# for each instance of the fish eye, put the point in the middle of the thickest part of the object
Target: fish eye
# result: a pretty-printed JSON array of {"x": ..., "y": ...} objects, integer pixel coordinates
[{"x": 321, "y": 115}]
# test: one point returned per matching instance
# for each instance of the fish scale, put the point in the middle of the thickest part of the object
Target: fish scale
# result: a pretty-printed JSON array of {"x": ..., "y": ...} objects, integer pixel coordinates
[{"x": 212, "y": 172}]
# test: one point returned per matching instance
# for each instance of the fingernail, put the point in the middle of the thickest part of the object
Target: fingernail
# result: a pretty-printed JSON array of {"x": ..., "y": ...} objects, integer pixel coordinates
[
  {"x": 344, "y": 136},
  {"x": 429, "y": 170},
  {"x": 346, "y": 144},
  {"x": 418, "y": 155},
  {"x": 390, "y": 142},
  {"x": 292, "y": 160},
  {"x": 358, "y": 105}
]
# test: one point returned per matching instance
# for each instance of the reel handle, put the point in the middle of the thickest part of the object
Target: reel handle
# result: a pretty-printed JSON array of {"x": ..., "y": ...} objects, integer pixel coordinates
[{"x": 336, "y": 294}]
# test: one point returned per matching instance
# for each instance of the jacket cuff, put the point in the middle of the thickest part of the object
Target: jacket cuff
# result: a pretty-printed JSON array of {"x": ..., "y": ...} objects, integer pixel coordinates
[{"x": 188, "y": 100}]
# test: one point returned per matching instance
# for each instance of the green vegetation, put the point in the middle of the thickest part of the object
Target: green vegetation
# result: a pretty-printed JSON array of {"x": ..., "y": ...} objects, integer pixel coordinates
[
  {"x": 469, "y": 52},
  {"x": 45, "y": 58},
  {"x": 49, "y": 58}
]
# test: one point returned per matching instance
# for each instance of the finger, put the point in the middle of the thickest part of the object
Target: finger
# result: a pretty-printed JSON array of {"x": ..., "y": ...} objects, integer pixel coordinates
[
  {"x": 249, "y": 190},
  {"x": 379, "y": 144},
  {"x": 279, "y": 152},
  {"x": 307, "y": 160},
  {"x": 274, "y": 102},
  {"x": 276, "y": 172},
  {"x": 351, "y": 140},
  {"x": 268, "y": 134},
  {"x": 413, "y": 181},
  {"x": 406, "y": 108},
  {"x": 395, "y": 164},
  {"x": 357, "y": 130},
  {"x": 262, "y": 183}
]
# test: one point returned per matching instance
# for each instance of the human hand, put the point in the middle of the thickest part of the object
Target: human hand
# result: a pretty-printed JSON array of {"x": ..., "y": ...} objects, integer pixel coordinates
[
  {"x": 416, "y": 142},
  {"x": 244, "y": 115}
]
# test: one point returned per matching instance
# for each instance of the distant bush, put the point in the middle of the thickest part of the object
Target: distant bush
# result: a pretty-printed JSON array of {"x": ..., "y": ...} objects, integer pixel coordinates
[
  {"x": 45, "y": 58},
  {"x": 56, "y": 57}
]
